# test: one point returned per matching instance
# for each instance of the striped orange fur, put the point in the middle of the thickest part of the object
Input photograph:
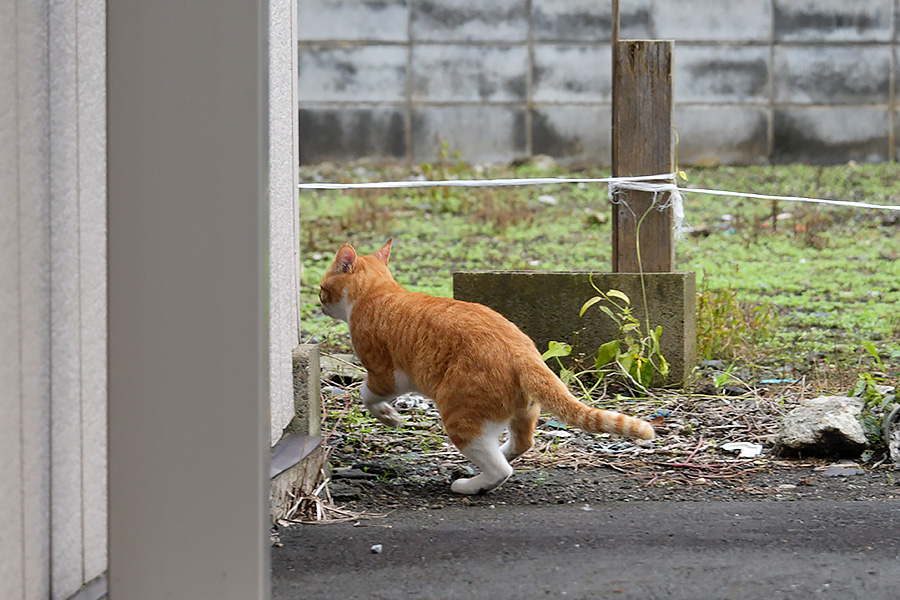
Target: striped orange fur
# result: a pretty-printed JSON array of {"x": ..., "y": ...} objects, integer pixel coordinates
[{"x": 484, "y": 375}]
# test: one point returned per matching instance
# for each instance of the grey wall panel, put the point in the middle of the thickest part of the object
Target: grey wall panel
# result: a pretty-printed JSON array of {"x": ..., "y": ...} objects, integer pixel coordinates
[{"x": 764, "y": 55}]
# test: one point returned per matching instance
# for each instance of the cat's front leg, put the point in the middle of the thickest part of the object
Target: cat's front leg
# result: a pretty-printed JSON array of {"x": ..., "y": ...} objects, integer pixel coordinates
[{"x": 379, "y": 406}]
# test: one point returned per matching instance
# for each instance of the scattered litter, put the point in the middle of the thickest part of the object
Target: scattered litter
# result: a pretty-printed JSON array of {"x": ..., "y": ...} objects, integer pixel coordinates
[
  {"x": 777, "y": 381},
  {"x": 376, "y": 549},
  {"x": 558, "y": 433},
  {"x": 746, "y": 449},
  {"x": 660, "y": 413},
  {"x": 555, "y": 425}
]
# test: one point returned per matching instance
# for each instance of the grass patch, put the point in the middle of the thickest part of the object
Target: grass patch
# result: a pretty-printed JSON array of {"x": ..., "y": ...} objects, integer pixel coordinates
[{"x": 788, "y": 279}]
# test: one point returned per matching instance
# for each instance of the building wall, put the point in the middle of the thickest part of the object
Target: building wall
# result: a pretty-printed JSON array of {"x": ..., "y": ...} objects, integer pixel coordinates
[
  {"x": 756, "y": 81},
  {"x": 53, "y": 443},
  {"x": 284, "y": 218},
  {"x": 53, "y": 311}
]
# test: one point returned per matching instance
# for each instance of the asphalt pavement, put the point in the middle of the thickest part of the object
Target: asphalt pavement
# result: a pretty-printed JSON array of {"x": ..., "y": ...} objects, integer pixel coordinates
[{"x": 621, "y": 550}]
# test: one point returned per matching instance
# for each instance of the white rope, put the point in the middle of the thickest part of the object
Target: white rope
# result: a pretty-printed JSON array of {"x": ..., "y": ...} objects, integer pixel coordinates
[
  {"x": 673, "y": 201},
  {"x": 644, "y": 183},
  {"x": 475, "y": 182},
  {"x": 794, "y": 199}
]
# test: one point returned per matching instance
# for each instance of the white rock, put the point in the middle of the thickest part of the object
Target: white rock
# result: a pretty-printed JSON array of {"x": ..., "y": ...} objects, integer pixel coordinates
[
  {"x": 824, "y": 426},
  {"x": 894, "y": 445}
]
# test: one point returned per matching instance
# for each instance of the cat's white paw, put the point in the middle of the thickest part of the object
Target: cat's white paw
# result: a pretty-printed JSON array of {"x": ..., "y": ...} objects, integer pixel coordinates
[
  {"x": 387, "y": 414},
  {"x": 476, "y": 485},
  {"x": 464, "y": 486}
]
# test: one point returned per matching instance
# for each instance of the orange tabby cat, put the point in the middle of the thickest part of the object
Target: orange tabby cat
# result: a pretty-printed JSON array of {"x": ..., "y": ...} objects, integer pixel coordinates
[{"x": 483, "y": 373}]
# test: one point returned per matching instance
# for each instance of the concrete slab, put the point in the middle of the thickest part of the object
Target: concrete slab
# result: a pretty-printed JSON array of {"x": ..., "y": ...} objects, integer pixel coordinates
[
  {"x": 321, "y": 20},
  {"x": 833, "y": 21},
  {"x": 832, "y": 74},
  {"x": 373, "y": 73},
  {"x": 480, "y": 133},
  {"x": 588, "y": 20},
  {"x": 483, "y": 21},
  {"x": 702, "y": 20},
  {"x": 545, "y": 305},
  {"x": 454, "y": 73},
  {"x": 819, "y": 135},
  {"x": 712, "y": 135},
  {"x": 572, "y": 134},
  {"x": 307, "y": 391},
  {"x": 572, "y": 73},
  {"x": 722, "y": 74},
  {"x": 349, "y": 133}
]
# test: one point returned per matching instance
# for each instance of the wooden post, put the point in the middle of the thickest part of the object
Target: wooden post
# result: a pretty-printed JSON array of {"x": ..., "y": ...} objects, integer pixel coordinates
[{"x": 642, "y": 144}]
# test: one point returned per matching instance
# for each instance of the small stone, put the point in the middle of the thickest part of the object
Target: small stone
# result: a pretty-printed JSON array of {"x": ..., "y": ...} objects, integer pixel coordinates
[
  {"x": 734, "y": 389},
  {"x": 344, "y": 491},
  {"x": 353, "y": 473},
  {"x": 461, "y": 472},
  {"x": 843, "y": 470},
  {"x": 376, "y": 549},
  {"x": 548, "y": 200},
  {"x": 715, "y": 363}
]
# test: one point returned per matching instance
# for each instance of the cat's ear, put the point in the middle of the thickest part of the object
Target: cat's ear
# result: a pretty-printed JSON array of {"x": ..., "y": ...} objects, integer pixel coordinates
[
  {"x": 385, "y": 253},
  {"x": 345, "y": 259}
]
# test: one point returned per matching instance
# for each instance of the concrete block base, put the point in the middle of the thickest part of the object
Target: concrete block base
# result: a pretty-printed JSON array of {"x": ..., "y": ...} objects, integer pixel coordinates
[
  {"x": 298, "y": 480},
  {"x": 545, "y": 306},
  {"x": 307, "y": 391},
  {"x": 298, "y": 458}
]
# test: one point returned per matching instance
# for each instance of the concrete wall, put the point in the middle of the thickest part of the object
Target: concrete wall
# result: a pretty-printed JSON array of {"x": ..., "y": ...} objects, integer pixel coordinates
[
  {"x": 284, "y": 218},
  {"x": 53, "y": 286},
  {"x": 756, "y": 81},
  {"x": 53, "y": 315}
]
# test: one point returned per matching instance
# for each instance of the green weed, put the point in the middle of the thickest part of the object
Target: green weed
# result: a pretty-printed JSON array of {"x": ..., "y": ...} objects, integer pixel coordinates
[
  {"x": 728, "y": 328},
  {"x": 828, "y": 275},
  {"x": 634, "y": 355}
]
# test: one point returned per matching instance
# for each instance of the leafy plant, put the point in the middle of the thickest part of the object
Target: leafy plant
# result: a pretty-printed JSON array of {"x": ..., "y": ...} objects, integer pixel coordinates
[
  {"x": 634, "y": 354},
  {"x": 448, "y": 165},
  {"x": 875, "y": 402},
  {"x": 728, "y": 327}
]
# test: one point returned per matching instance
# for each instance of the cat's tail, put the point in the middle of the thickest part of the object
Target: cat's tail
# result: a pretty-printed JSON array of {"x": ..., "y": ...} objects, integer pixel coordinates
[{"x": 548, "y": 390}]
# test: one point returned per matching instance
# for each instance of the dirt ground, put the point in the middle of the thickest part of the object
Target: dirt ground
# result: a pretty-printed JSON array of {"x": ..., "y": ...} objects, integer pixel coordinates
[
  {"x": 375, "y": 469},
  {"x": 426, "y": 484}
]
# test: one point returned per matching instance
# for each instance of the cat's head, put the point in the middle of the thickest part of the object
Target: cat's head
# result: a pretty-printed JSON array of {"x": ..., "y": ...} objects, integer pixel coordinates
[{"x": 349, "y": 276}]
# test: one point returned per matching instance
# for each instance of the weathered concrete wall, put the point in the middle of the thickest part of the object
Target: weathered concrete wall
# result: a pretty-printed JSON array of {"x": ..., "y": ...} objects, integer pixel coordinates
[
  {"x": 545, "y": 305},
  {"x": 756, "y": 81}
]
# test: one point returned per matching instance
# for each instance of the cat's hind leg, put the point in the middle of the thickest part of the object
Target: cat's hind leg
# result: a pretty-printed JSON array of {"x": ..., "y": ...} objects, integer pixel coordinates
[
  {"x": 484, "y": 452},
  {"x": 521, "y": 432},
  {"x": 379, "y": 406}
]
